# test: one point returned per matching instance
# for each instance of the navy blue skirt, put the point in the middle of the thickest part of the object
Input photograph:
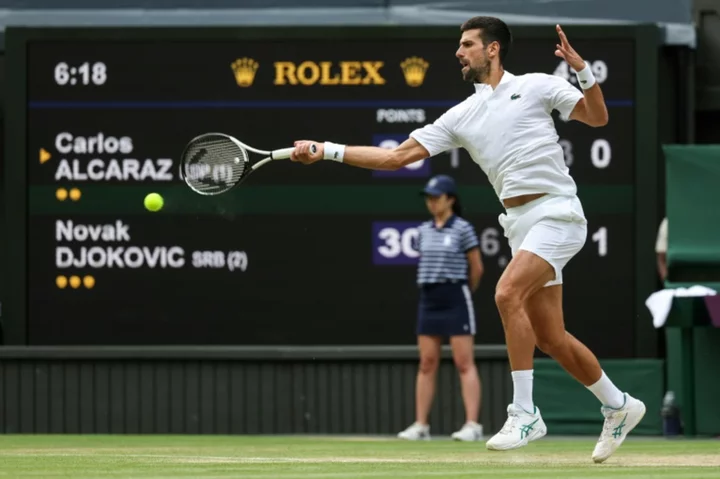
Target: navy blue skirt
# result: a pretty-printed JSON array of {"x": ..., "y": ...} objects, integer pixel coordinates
[{"x": 445, "y": 309}]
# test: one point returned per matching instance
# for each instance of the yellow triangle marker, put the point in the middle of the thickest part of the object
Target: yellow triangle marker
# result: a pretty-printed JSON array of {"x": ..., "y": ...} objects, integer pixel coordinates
[{"x": 44, "y": 155}]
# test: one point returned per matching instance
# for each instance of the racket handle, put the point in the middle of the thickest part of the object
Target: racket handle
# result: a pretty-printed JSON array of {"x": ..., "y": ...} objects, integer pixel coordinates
[
  {"x": 284, "y": 153},
  {"x": 281, "y": 154}
]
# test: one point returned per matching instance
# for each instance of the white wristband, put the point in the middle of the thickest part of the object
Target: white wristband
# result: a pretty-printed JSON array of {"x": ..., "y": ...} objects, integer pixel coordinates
[
  {"x": 585, "y": 77},
  {"x": 334, "y": 151}
]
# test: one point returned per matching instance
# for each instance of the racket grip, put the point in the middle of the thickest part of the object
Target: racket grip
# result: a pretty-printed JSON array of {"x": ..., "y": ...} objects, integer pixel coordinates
[
  {"x": 284, "y": 153},
  {"x": 281, "y": 154}
]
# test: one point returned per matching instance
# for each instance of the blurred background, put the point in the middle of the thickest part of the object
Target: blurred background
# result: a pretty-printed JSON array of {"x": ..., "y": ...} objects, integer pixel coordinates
[{"x": 288, "y": 306}]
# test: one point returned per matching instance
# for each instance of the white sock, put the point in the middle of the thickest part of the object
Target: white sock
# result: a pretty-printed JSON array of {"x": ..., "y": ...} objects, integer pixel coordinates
[
  {"x": 608, "y": 394},
  {"x": 522, "y": 389}
]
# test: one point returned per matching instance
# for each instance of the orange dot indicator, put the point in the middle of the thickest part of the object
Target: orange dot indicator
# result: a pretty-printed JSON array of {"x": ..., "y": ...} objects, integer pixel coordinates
[
  {"x": 74, "y": 282},
  {"x": 75, "y": 194},
  {"x": 89, "y": 282},
  {"x": 61, "y": 194},
  {"x": 61, "y": 282}
]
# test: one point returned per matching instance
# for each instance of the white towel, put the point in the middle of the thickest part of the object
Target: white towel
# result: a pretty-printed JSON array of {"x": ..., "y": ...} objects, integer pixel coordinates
[{"x": 660, "y": 302}]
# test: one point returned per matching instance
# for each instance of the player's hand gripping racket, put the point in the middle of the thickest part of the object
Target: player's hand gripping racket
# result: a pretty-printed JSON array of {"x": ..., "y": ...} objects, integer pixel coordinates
[{"x": 214, "y": 163}]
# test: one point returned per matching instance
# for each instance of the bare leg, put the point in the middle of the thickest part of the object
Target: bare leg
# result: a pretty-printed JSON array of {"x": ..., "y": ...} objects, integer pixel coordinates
[
  {"x": 546, "y": 315},
  {"x": 427, "y": 373},
  {"x": 525, "y": 274},
  {"x": 544, "y": 308},
  {"x": 622, "y": 413},
  {"x": 522, "y": 298},
  {"x": 462, "y": 348}
]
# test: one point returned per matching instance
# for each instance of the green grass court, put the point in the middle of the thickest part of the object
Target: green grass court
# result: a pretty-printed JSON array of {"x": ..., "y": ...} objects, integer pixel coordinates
[{"x": 261, "y": 457}]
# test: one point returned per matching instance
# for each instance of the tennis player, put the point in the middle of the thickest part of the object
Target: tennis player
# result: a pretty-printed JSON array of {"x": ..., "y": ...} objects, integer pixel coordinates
[
  {"x": 449, "y": 271},
  {"x": 507, "y": 128}
]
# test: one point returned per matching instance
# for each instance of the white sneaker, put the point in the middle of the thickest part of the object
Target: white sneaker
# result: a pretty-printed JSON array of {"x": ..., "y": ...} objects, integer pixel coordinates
[
  {"x": 471, "y": 431},
  {"x": 416, "y": 432},
  {"x": 520, "y": 428},
  {"x": 618, "y": 424}
]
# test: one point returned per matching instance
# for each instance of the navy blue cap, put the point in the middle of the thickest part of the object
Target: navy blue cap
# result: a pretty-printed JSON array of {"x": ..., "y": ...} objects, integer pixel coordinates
[{"x": 439, "y": 185}]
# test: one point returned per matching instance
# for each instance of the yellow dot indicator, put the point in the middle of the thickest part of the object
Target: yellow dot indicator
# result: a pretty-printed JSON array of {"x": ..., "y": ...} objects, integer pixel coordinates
[
  {"x": 61, "y": 194},
  {"x": 61, "y": 282},
  {"x": 74, "y": 282},
  {"x": 75, "y": 194},
  {"x": 89, "y": 282}
]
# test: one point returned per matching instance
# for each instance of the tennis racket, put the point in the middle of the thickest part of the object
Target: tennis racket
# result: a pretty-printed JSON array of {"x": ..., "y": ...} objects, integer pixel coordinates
[{"x": 214, "y": 163}]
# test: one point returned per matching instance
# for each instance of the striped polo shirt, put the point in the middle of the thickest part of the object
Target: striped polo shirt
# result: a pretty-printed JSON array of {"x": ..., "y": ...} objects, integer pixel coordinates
[{"x": 443, "y": 251}]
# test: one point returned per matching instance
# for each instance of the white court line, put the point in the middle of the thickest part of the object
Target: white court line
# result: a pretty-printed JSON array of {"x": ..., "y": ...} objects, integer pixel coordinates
[
  {"x": 333, "y": 475},
  {"x": 485, "y": 459},
  {"x": 220, "y": 459}
]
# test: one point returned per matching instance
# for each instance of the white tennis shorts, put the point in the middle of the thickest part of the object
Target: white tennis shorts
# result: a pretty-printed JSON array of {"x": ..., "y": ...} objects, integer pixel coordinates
[{"x": 553, "y": 227}]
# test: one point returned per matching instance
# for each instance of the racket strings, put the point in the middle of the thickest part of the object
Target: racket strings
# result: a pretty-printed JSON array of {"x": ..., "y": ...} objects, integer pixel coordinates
[{"x": 213, "y": 164}]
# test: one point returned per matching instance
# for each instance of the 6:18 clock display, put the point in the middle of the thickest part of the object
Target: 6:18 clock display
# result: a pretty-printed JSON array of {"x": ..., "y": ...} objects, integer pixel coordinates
[{"x": 84, "y": 74}]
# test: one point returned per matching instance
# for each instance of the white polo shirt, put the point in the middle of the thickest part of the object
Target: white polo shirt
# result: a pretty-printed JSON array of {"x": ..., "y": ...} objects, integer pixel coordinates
[{"x": 510, "y": 133}]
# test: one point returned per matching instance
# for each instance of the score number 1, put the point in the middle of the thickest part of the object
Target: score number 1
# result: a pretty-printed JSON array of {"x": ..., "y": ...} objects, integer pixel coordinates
[{"x": 600, "y": 237}]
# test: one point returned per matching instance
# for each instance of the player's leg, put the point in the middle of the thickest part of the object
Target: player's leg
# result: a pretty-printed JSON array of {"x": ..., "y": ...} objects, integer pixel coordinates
[
  {"x": 525, "y": 274},
  {"x": 555, "y": 243},
  {"x": 462, "y": 344},
  {"x": 429, "y": 347},
  {"x": 622, "y": 412},
  {"x": 544, "y": 308}
]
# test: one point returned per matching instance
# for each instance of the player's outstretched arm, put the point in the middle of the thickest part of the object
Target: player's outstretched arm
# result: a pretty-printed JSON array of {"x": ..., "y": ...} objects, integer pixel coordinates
[
  {"x": 591, "y": 109},
  {"x": 370, "y": 157}
]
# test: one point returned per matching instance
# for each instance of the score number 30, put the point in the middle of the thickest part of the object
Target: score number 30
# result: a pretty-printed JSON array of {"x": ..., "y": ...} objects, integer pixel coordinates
[{"x": 84, "y": 74}]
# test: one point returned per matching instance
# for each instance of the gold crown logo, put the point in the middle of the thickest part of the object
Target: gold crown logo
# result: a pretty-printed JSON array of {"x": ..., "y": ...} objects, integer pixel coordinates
[
  {"x": 414, "y": 69},
  {"x": 244, "y": 70}
]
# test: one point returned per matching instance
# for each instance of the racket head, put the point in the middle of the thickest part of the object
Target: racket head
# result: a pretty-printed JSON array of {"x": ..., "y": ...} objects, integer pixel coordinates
[{"x": 213, "y": 163}]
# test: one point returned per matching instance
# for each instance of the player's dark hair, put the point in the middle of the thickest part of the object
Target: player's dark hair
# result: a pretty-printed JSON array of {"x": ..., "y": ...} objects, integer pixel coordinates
[
  {"x": 491, "y": 30},
  {"x": 456, "y": 206}
]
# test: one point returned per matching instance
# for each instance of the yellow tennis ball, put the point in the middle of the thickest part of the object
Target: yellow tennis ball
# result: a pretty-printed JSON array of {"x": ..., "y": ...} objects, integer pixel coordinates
[{"x": 154, "y": 202}]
